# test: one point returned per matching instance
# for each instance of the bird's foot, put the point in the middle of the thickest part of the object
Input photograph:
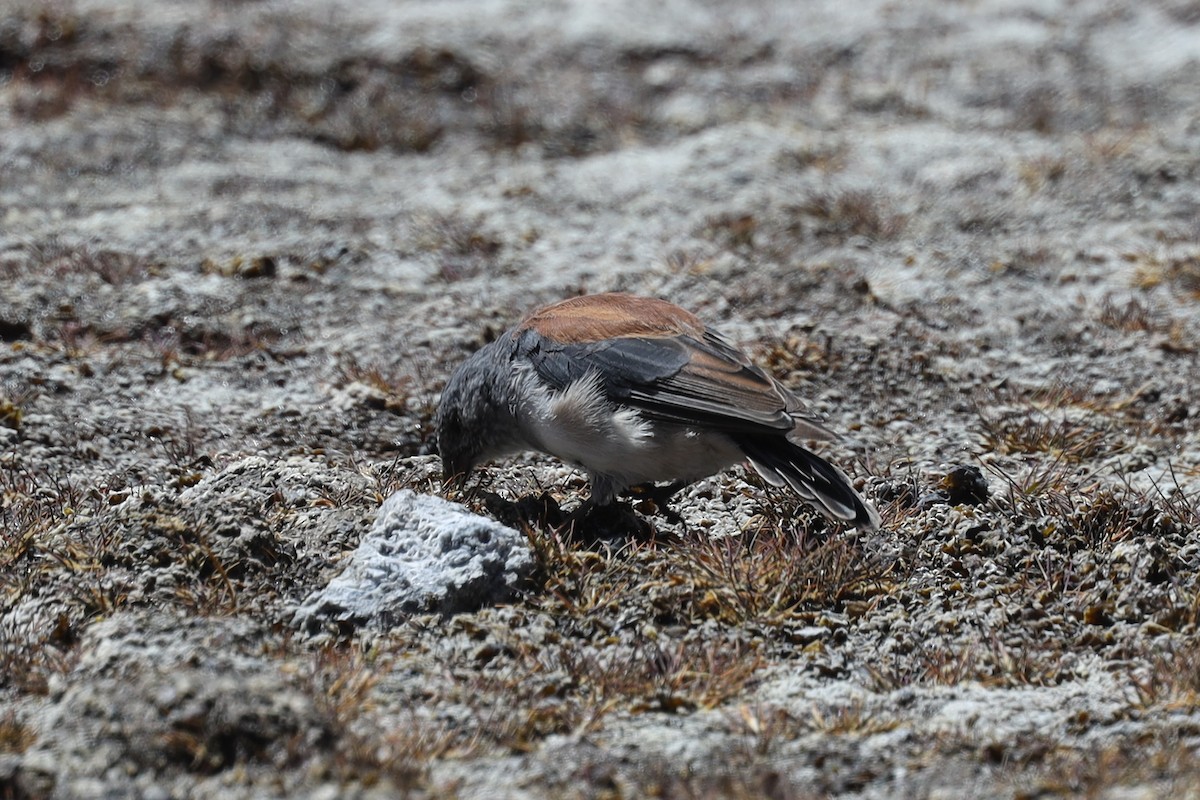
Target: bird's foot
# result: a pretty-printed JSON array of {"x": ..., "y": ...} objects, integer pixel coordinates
[
  {"x": 539, "y": 512},
  {"x": 591, "y": 522},
  {"x": 659, "y": 495}
]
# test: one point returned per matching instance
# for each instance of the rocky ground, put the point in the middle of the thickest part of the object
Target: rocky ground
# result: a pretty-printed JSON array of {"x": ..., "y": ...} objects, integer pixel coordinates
[{"x": 243, "y": 243}]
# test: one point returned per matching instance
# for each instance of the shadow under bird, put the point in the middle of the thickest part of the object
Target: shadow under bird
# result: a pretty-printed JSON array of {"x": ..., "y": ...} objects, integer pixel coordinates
[{"x": 634, "y": 391}]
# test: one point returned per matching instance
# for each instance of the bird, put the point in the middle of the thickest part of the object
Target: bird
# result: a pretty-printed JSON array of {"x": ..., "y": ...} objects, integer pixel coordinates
[{"x": 635, "y": 391}]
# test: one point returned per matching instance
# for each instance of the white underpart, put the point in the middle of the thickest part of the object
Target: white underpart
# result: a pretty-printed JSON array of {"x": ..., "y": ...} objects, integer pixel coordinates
[{"x": 616, "y": 445}]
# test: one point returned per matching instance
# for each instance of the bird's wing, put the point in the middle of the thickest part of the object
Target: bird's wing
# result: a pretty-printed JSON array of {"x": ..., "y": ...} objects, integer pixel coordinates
[{"x": 660, "y": 359}]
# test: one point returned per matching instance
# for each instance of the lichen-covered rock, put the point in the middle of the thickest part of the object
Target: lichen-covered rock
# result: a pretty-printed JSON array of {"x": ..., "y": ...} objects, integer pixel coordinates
[
  {"x": 155, "y": 695},
  {"x": 423, "y": 554}
]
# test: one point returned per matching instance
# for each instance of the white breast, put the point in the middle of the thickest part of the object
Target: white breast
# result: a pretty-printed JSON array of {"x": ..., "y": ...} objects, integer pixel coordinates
[{"x": 617, "y": 445}]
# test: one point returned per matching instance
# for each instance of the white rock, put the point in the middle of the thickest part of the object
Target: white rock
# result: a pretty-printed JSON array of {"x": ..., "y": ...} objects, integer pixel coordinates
[{"x": 423, "y": 554}]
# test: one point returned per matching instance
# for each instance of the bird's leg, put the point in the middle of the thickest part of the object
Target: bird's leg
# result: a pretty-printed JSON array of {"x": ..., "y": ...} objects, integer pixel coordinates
[
  {"x": 660, "y": 495},
  {"x": 595, "y": 522},
  {"x": 527, "y": 510}
]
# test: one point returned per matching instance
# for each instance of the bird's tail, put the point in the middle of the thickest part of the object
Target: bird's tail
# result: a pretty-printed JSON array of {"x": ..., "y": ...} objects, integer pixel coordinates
[{"x": 781, "y": 462}]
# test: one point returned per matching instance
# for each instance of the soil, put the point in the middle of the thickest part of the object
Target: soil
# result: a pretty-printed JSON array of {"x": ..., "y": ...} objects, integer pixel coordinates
[{"x": 243, "y": 244}]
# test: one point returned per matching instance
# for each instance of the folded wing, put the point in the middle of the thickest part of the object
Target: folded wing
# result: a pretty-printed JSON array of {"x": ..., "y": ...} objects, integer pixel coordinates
[{"x": 681, "y": 378}]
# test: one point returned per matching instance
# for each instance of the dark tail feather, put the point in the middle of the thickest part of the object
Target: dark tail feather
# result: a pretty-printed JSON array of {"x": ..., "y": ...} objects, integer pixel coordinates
[{"x": 823, "y": 485}]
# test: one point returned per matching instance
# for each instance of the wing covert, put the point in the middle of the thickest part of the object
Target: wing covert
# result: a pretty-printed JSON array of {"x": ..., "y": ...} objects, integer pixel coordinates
[{"x": 680, "y": 378}]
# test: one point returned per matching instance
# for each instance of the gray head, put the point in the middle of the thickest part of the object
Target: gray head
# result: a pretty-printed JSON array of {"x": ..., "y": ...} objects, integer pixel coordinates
[{"x": 475, "y": 419}]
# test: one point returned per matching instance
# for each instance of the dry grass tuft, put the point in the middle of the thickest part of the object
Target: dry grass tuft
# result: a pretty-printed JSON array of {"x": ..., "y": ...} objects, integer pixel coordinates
[
  {"x": 766, "y": 576},
  {"x": 758, "y": 781},
  {"x": 1040, "y": 172},
  {"x": 571, "y": 687},
  {"x": 794, "y": 358},
  {"x": 850, "y": 213},
  {"x": 15, "y": 735},
  {"x": 390, "y": 388},
  {"x": 1132, "y": 315},
  {"x": 733, "y": 230},
  {"x": 463, "y": 247},
  {"x": 1151, "y": 766},
  {"x": 989, "y": 661},
  {"x": 1181, "y": 272},
  {"x": 1071, "y": 438}
]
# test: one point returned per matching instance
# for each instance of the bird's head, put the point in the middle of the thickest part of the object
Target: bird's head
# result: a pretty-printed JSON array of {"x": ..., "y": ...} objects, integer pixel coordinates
[
  {"x": 457, "y": 442},
  {"x": 474, "y": 419}
]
